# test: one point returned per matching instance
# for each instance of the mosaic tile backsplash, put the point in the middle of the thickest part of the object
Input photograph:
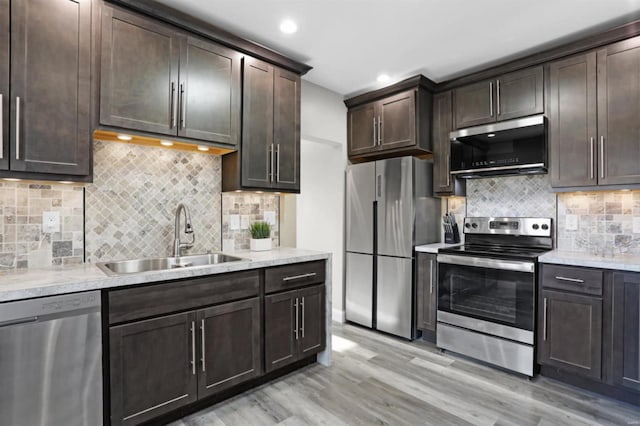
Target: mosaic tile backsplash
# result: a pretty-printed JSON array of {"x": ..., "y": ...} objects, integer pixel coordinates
[
  {"x": 600, "y": 223},
  {"x": 23, "y": 244},
  {"x": 130, "y": 206},
  {"x": 247, "y": 208}
]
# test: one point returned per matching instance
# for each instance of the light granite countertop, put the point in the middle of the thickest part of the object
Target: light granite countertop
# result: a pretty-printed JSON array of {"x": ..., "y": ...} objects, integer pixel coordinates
[
  {"x": 433, "y": 248},
  {"x": 25, "y": 284},
  {"x": 621, "y": 262}
]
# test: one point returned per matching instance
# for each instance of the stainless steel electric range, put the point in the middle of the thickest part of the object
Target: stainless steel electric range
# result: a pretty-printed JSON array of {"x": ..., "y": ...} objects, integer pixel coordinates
[{"x": 487, "y": 290}]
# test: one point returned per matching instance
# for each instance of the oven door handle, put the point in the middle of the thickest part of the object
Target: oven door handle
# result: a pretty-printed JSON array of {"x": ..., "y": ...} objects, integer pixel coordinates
[{"x": 484, "y": 262}]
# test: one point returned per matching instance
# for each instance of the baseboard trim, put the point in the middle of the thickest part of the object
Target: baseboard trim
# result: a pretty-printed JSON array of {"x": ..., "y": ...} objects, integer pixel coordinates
[{"x": 338, "y": 315}]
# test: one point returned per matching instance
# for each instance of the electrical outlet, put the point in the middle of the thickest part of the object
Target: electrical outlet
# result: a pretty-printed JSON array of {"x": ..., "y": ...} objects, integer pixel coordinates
[
  {"x": 636, "y": 225},
  {"x": 270, "y": 218},
  {"x": 50, "y": 222},
  {"x": 571, "y": 223},
  {"x": 234, "y": 222}
]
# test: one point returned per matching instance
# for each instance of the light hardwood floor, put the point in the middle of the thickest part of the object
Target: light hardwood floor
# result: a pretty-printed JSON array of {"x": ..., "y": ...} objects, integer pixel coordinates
[{"x": 377, "y": 379}]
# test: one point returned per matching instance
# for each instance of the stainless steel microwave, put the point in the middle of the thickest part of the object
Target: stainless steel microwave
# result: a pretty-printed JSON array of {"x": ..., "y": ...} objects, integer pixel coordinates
[{"x": 506, "y": 148}]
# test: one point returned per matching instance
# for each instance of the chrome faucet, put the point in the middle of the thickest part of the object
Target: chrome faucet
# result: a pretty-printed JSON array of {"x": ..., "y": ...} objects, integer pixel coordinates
[{"x": 188, "y": 229}]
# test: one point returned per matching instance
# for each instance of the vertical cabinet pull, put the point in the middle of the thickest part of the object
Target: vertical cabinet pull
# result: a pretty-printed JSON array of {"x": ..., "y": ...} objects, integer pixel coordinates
[
  {"x": 431, "y": 276},
  {"x": 17, "y": 127},
  {"x": 278, "y": 163},
  {"x": 498, "y": 96},
  {"x": 448, "y": 169},
  {"x": 302, "y": 316},
  {"x": 491, "y": 99},
  {"x": 602, "y": 157},
  {"x": 271, "y": 164},
  {"x": 172, "y": 117},
  {"x": 203, "y": 345},
  {"x": 379, "y": 130},
  {"x": 544, "y": 320},
  {"x": 591, "y": 150},
  {"x": 295, "y": 331},
  {"x": 375, "y": 140},
  {"x": 182, "y": 106},
  {"x": 193, "y": 348}
]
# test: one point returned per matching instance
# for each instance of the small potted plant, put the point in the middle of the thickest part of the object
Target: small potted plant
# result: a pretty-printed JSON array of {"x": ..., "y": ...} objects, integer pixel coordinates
[{"x": 260, "y": 236}]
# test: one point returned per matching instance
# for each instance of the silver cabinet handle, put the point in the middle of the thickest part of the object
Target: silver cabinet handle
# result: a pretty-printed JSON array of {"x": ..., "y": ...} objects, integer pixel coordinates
[
  {"x": 1, "y": 127},
  {"x": 379, "y": 130},
  {"x": 498, "y": 96},
  {"x": 297, "y": 277},
  {"x": 271, "y": 175},
  {"x": 295, "y": 331},
  {"x": 183, "y": 106},
  {"x": 375, "y": 141},
  {"x": 17, "y": 127},
  {"x": 302, "y": 316},
  {"x": 602, "y": 157},
  {"x": 278, "y": 163},
  {"x": 431, "y": 277},
  {"x": 573, "y": 280},
  {"x": 203, "y": 345},
  {"x": 544, "y": 320},
  {"x": 491, "y": 99},
  {"x": 448, "y": 169},
  {"x": 591, "y": 149},
  {"x": 193, "y": 348},
  {"x": 172, "y": 118}
]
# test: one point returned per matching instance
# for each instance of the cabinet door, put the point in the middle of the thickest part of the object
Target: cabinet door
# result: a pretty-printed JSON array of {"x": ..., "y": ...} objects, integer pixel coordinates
[
  {"x": 570, "y": 334},
  {"x": 362, "y": 129},
  {"x": 50, "y": 86},
  {"x": 210, "y": 92},
  {"x": 572, "y": 121},
  {"x": 230, "y": 351},
  {"x": 280, "y": 343},
  {"x": 520, "y": 93},
  {"x": 397, "y": 120},
  {"x": 139, "y": 73},
  {"x": 4, "y": 84},
  {"x": 618, "y": 112},
  {"x": 311, "y": 326},
  {"x": 286, "y": 128},
  {"x": 427, "y": 291},
  {"x": 474, "y": 104},
  {"x": 153, "y": 368},
  {"x": 257, "y": 125},
  {"x": 626, "y": 330},
  {"x": 442, "y": 126}
]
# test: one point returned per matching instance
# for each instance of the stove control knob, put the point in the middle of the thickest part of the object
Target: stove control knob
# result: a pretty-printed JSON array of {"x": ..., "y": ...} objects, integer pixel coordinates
[
  {"x": 545, "y": 226},
  {"x": 535, "y": 226},
  {"x": 467, "y": 225},
  {"x": 475, "y": 225}
]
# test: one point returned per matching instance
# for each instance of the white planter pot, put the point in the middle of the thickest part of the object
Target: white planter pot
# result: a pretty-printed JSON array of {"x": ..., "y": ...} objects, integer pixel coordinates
[{"x": 262, "y": 244}]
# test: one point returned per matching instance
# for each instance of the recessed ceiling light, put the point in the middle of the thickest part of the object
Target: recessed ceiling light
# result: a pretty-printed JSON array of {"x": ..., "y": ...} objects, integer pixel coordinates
[
  {"x": 166, "y": 143},
  {"x": 288, "y": 26},
  {"x": 203, "y": 148},
  {"x": 490, "y": 135},
  {"x": 383, "y": 78},
  {"x": 124, "y": 137}
]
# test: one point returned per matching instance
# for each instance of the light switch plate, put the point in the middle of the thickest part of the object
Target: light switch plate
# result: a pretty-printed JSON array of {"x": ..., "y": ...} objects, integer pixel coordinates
[
  {"x": 636, "y": 225},
  {"x": 50, "y": 222},
  {"x": 234, "y": 222},
  {"x": 244, "y": 222},
  {"x": 270, "y": 217},
  {"x": 571, "y": 223}
]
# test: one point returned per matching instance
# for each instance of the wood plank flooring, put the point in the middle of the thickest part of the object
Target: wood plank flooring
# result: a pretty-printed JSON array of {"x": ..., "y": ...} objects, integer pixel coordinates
[{"x": 377, "y": 379}]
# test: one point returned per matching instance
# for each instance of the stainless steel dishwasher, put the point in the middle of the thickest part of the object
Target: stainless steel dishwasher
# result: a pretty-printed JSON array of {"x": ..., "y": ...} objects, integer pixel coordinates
[{"x": 51, "y": 361}]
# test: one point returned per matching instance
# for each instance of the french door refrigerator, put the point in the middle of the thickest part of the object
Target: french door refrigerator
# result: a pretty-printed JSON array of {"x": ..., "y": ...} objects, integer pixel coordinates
[{"x": 390, "y": 209}]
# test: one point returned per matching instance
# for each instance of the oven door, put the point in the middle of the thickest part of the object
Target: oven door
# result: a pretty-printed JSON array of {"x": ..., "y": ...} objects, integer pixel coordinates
[{"x": 492, "y": 290}]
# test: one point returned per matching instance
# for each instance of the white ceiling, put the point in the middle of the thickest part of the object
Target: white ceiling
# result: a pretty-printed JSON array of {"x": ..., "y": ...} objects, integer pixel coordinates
[{"x": 349, "y": 42}]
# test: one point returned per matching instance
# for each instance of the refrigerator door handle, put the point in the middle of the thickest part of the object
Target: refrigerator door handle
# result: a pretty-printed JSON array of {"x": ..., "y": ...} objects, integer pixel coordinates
[{"x": 379, "y": 185}]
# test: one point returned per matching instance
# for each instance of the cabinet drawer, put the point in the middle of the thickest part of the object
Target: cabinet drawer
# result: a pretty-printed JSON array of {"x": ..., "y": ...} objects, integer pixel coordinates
[
  {"x": 174, "y": 296},
  {"x": 581, "y": 280},
  {"x": 293, "y": 276}
]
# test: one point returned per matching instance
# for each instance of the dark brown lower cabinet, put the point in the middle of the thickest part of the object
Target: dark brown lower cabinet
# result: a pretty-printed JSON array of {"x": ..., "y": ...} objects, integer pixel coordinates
[
  {"x": 152, "y": 367},
  {"x": 570, "y": 333},
  {"x": 294, "y": 324},
  {"x": 427, "y": 290},
  {"x": 626, "y": 330}
]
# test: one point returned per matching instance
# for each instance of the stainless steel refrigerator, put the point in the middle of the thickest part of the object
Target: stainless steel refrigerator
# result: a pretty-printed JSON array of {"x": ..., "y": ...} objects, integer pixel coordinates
[{"x": 390, "y": 209}]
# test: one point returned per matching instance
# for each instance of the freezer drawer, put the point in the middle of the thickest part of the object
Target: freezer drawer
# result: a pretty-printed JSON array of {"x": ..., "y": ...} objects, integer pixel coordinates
[
  {"x": 395, "y": 296},
  {"x": 359, "y": 288}
]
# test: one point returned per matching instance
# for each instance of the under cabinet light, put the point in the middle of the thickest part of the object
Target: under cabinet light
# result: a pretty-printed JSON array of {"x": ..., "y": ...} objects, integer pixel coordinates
[
  {"x": 124, "y": 137},
  {"x": 203, "y": 148},
  {"x": 12, "y": 179},
  {"x": 166, "y": 143}
]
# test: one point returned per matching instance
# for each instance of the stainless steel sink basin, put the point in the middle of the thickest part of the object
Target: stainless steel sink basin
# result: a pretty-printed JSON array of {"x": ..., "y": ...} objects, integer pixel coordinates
[{"x": 134, "y": 266}]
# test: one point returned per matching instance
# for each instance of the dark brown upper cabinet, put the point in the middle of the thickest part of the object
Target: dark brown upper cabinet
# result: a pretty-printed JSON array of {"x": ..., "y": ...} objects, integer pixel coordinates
[
  {"x": 513, "y": 95},
  {"x": 269, "y": 156},
  {"x": 594, "y": 102},
  {"x": 156, "y": 79},
  {"x": 45, "y": 98},
  {"x": 626, "y": 330},
  {"x": 390, "y": 122},
  {"x": 443, "y": 183}
]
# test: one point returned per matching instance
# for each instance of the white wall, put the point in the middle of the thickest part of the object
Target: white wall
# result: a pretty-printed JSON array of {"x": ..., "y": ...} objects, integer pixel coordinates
[{"x": 323, "y": 158}]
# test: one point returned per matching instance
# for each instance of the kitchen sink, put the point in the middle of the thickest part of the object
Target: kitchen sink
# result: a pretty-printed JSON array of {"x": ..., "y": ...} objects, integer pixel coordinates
[{"x": 134, "y": 266}]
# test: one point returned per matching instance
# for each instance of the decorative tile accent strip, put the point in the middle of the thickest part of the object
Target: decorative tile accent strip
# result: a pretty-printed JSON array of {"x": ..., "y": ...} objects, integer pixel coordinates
[
  {"x": 600, "y": 223},
  {"x": 131, "y": 204},
  {"x": 521, "y": 196},
  {"x": 249, "y": 208},
  {"x": 23, "y": 244}
]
